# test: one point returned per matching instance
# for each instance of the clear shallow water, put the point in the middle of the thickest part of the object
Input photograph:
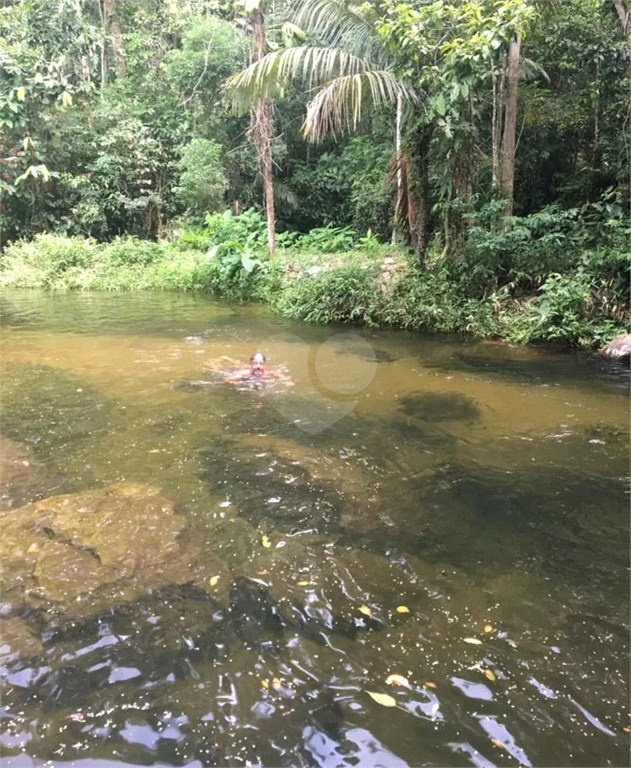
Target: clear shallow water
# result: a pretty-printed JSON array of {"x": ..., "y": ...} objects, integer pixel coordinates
[{"x": 475, "y": 485}]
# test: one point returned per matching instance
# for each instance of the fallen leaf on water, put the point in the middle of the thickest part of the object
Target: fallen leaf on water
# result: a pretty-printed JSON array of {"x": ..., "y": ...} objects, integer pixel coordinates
[
  {"x": 266, "y": 542},
  {"x": 489, "y": 674},
  {"x": 365, "y": 610},
  {"x": 498, "y": 743},
  {"x": 431, "y": 685},
  {"x": 473, "y": 641},
  {"x": 276, "y": 683},
  {"x": 213, "y": 580},
  {"x": 402, "y": 609},
  {"x": 383, "y": 699},
  {"x": 265, "y": 684},
  {"x": 488, "y": 628},
  {"x": 397, "y": 680},
  {"x": 262, "y": 573},
  {"x": 512, "y": 644},
  {"x": 302, "y": 583},
  {"x": 626, "y": 729}
]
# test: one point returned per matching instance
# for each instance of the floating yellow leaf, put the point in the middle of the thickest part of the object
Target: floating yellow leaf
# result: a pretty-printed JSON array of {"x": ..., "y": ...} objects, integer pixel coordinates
[
  {"x": 488, "y": 628},
  {"x": 213, "y": 580},
  {"x": 512, "y": 644},
  {"x": 402, "y": 609},
  {"x": 473, "y": 641},
  {"x": 276, "y": 683},
  {"x": 489, "y": 674},
  {"x": 266, "y": 542},
  {"x": 265, "y": 684},
  {"x": 21, "y": 94},
  {"x": 626, "y": 729},
  {"x": 498, "y": 743},
  {"x": 431, "y": 685},
  {"x": 302, "y": 583},
  {"x": 383, "y": 699},
  {"x": 365, "y": 610},
  {"x": 397, "y": 680}
]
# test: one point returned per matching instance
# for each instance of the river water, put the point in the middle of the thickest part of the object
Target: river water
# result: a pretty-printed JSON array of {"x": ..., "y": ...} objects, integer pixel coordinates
[{"x": 449, "y": 512}]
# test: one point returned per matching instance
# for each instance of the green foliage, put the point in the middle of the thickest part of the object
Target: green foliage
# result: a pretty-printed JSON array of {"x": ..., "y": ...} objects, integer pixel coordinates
[
  {"x": 202, "y": 180},
  {"x": 326, "y": 240},
  {"x": 344, "y": 294}
]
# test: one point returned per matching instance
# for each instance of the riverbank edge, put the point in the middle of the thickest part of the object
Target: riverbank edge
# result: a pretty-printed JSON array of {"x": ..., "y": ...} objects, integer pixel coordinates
[{"x": 376, "y": 287}]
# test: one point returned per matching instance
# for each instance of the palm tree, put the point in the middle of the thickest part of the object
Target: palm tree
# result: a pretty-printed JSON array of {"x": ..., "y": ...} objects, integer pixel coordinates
[
  {"x": 261, "y": 119},
  {"x": 351, "y": 73}
]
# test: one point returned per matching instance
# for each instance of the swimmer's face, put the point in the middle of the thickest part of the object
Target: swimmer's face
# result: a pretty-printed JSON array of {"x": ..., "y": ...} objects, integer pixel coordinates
[{"x": 257, "y": 364}]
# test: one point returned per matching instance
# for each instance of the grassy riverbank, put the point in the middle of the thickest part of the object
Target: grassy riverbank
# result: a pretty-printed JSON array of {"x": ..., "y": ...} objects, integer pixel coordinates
[{"x": 361, "y": 281}]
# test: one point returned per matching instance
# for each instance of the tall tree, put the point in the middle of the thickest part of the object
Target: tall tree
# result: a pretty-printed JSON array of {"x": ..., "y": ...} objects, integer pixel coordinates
[
  {"x": 625, "y": 19},
  {"x": 507, "y": 149},
  {"x": 261, "y": 122}
]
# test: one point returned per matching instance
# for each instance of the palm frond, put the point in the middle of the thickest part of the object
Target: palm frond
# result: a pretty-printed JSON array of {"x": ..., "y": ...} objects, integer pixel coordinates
[
  {"x": 338, "y": 106},
  {"x": 336, "y": 24},
  {"x": 268, "y": 77},
  {"x": 530, "y": 70}
]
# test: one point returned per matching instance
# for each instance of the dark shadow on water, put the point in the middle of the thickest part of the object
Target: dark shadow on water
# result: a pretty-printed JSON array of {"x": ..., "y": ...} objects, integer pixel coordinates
[{"x": 440, "y": 406}]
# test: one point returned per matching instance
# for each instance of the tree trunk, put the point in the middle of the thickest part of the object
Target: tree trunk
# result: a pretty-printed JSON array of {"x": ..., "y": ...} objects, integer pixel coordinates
[
  {"x": 111, "y": 27},
  {"x": 625, "y": 19},
  {"x": 398, "y": 206},
  {"x": 261, "y": 128},
  {"x": 507, "y": 152},
  {"x": 419, "y": 226}
]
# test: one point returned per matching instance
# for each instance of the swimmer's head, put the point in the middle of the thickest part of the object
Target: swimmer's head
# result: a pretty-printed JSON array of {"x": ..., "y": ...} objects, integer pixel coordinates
[{"x": 257, "y": 363}]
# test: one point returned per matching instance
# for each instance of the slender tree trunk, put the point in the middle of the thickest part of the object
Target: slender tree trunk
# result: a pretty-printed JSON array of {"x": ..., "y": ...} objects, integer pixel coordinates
[
  {"x": 497, "y": 121},
  {"x": 419, "y": 227},
  {"x": 112, "y": 25},
  {"x": 262, "y": 131},
  {"x": 507, "y": 153},
  {"x": 398, "y": 206},
  {"x": 625, "y": 19}
]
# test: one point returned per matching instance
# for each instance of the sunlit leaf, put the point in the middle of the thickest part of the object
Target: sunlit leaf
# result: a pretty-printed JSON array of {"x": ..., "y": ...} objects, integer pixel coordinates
[
  {"x": 383, "y": 699},
  {"x": 276, "y": 682},
  {"x": 213, "y": 580},
  {"x": 66, "y": 99},
  {"x": 266, "y": 542},
  {"x": 302, "y": 583},
  {"x": 431, "y": 685},
  {"x": 402, "y": 609},
  {"x": 20, "y": 94},
  {"x": 473, "y": 641},
  {"x": 265, "y": 684},
  {"x": 512, "y": 644},
  {"x": 32, "y": 548},
  {"x": 626, "y": 729},
  {"x": 365, "y": 610},
  {"x": 489, "y": 675},
  {"x": 397, "y": 680}
]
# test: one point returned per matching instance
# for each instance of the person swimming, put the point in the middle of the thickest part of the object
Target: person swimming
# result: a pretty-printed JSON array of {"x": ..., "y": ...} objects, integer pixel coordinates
[{"x": 255, "y": 373}]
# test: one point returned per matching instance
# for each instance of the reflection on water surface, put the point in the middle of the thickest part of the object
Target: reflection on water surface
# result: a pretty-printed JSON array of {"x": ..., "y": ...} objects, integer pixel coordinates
[{"x": 212, "y": 584}]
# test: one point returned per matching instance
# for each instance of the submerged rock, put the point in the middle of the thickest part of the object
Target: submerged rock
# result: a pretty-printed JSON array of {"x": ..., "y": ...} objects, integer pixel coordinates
[
  {"x": 618, "y": 349},
  {"x": 79, "y": 554},
  {"x": 440, "y": 406}
]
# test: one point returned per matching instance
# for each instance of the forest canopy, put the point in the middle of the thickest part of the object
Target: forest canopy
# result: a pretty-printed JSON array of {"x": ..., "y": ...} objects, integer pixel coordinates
[{"x": 487, "y": 135}]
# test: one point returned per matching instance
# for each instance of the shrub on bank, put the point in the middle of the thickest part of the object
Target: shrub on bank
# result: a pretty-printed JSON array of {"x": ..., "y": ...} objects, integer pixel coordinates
[{"x": 583, "y": 308}]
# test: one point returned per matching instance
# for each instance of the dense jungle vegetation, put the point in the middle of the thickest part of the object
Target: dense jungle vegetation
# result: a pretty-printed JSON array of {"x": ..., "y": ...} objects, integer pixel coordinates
[{"x": 441, "y": 166}]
